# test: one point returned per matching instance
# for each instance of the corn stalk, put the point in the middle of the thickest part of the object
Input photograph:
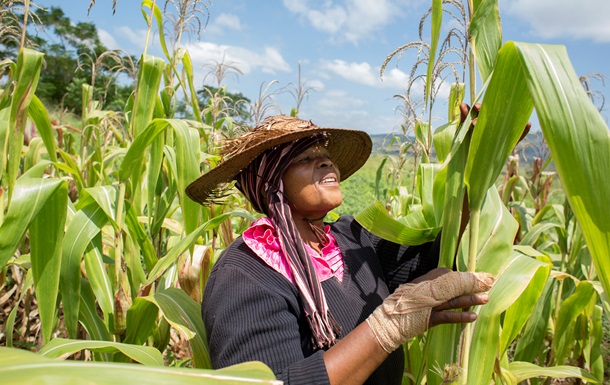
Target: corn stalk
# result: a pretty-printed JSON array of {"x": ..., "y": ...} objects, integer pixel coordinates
[{"x": 518, "y": 78}]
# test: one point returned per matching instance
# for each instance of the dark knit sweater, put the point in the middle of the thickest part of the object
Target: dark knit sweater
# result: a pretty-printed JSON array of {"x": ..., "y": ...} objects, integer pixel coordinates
[{"x": 252, "y": 313}]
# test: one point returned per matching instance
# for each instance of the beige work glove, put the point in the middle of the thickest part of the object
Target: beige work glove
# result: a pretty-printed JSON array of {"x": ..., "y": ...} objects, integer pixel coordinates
[{"x": 406, "y": 312}]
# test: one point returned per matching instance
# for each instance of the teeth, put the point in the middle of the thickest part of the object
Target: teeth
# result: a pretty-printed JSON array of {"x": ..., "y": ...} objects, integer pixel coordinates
[{"x": 327, "y": 180}]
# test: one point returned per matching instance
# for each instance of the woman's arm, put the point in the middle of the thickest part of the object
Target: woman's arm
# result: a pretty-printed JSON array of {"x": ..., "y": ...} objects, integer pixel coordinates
[
  {"x": 353, "y": 359},
  {"x": 248, "y": 317}
]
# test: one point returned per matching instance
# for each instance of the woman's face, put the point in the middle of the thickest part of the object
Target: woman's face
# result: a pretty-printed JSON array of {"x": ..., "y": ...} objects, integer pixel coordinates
[{"x": 311, "y": 184}]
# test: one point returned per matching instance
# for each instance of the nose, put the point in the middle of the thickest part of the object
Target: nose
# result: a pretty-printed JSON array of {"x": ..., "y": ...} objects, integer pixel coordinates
[{"x": 325, "y": 161}]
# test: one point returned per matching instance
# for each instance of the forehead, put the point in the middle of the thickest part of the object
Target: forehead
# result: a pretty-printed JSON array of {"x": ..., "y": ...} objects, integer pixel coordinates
[{"x": 317, "y": 148}]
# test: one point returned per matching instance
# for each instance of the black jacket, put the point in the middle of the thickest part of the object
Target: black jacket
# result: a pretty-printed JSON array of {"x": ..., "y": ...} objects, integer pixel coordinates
[{"x": 252, "y": 313}]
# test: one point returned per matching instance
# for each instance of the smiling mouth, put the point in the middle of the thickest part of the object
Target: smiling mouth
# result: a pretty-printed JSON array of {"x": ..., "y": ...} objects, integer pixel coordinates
[{"x": 329, "y": 180}]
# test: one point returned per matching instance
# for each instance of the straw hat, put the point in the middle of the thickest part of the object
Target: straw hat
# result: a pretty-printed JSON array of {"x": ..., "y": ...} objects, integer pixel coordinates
[{"x": 349, "y": 150}]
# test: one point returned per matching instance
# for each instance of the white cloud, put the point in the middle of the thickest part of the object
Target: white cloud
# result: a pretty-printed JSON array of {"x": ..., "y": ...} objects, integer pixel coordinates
[
  {"x": 339, "y": 108},
  {"x": 268, "y": 60},
  {"x": 364, "y": 73},
  {"x": 350, "y": 20},
  {"x": 127, "y": 39},
  {"x": 135, "y": 37},
  {"x": 107, "y": 39},
  {"x": 315, "y": 84},
  {"x": 564, "y": 18},
  {"x": 336, "y": 108},
  {"x": 224, "y": 22}
]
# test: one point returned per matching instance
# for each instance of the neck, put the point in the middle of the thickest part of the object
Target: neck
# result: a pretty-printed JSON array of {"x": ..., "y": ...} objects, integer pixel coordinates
[{"x": 304, "y": 227}]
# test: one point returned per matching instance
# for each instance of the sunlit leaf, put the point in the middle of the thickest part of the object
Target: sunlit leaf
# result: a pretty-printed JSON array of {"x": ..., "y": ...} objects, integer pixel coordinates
[
  {"x": 39, "y": 115},
  {"x": 26, "y": 76},
  {"x": 61, "y": 347},
  {"x": 184, "y": 314},
  {"x": 416, "y": 231},
  {"x": 486, "y": 31},
  {"x": 46, "y": 237},
  {"x": 20, "y": 367},
  {"x": 525, "y": 370},
  {"x": 509, "y": 286}
]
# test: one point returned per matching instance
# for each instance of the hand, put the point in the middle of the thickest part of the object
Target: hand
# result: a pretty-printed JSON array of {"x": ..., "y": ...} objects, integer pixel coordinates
[
  {"x": 465, "y": 108},
  {"x": 414, "y": 307},
  {"x": 444, "y": 314}
]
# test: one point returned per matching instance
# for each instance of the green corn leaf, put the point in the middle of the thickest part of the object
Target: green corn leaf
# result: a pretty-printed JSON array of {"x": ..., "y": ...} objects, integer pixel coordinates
[
  {"x": 519, "y": 312},
  {"x": 86, "y": 101},
  {"x": 71, "y": 167},
  {"x": 149, "y": 79},
  {"x": 486, "y": 31},
  {"x": 443, "y": 139},
  {"x": 155, "y": 165},
  {"x": 426, "y": 177},
  {"x": 99, "y": 280},
  {"x": 570, "y": 309},
  {"x": 593, "y": 354},
  {"x": 531, "y": 237},
  {"x": 172, "y": 256},
  {"x": 444, "y": 134},
  {"x": 39, "y": 115},
  {"x": 526, "y": 370},
  {"x": 105, "y": 197},
  {"x": 442, "y": 346},
  {"x": 29, "y": 64},
  {"x": 137, "y": 232},
  {"x": 85, "y": 225},
  {"x": 497, "y": 230},
  {"x": 5, "y": 115},
  {"x": 29, "y": 198},
  {"x": 453, "y": 204},
  {"x": 378, "y": 178},
  {"x": 61, "y": 347},
  {"x": 505, "y": 111},
  {"x": 137, "y": 149},
  {"x": 456, "y": 97},
  {"x": 436, "y": 24},
  {"x": 90, "y": 319},
  {"x": 188, "y": 69},
  {"x": 184, "y": 314},
  {"x": 531, "y": 342},
  {"x": 158, "y": 15},
  {"x": 413, "y": 231},
  {"x": 421, "y": 133},
  {"x": 509, "y": 286},
  {"x": 46, "y": 236},
  {"x": 141, "y": 320},
  {"x": 20, "y": 367},
  {"x": 187, "y": 151},
  {"x": 33, "y": 154},
  {"x": 579, "y": 141}
]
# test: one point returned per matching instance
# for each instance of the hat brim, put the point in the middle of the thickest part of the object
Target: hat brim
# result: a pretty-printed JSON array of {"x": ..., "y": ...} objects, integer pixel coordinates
[{"x": 349, "y": 150}]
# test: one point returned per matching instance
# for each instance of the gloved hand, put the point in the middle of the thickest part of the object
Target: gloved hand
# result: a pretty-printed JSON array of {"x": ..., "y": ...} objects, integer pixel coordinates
[{"x": 406, "y": 312}]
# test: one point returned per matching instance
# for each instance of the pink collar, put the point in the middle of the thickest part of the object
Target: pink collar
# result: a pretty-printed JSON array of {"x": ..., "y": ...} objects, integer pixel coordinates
[{"x": 261, "y": 237}]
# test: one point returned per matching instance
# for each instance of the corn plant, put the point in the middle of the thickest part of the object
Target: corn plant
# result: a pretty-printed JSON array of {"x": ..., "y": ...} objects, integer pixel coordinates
[
  {"x": 97, "y": 235},
  {"x": 517, "y": 77}
]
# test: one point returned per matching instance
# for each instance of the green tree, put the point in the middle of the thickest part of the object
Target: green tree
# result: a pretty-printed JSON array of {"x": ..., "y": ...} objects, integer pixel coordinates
[{"x": 74, "y": 55}]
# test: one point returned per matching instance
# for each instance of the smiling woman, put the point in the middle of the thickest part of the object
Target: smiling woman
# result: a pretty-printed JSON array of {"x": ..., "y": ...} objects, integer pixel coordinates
[
  {"x": 312, "y": 184},
  {"x": 319, "y": 303}
]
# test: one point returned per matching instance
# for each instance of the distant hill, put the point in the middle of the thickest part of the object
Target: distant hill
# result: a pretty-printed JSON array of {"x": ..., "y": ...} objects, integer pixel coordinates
[{"x": 381, "y": 145}]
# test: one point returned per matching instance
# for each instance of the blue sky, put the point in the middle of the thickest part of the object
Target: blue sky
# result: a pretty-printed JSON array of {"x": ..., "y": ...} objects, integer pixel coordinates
[{"x": 341, "y": 45}]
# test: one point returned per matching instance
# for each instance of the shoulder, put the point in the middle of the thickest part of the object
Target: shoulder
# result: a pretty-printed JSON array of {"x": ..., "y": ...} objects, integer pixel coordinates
[
  {"x": 346, "y": 224},
  {"x": 347, "y": 230},
  {"x": 239, "y": 265}
]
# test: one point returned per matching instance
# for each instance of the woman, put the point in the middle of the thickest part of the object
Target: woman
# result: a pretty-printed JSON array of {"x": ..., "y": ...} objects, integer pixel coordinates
[{"x": 312, "y": 300}]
